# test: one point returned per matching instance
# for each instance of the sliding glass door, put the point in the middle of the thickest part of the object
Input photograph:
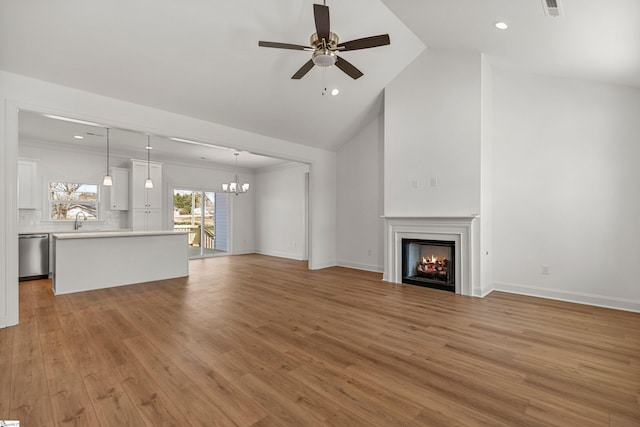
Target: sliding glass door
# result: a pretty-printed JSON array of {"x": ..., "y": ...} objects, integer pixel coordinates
[{"x": 205, "y": 216}]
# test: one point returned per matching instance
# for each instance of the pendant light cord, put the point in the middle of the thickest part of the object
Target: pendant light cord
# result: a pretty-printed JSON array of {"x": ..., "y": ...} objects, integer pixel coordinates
[{"x": 107, "y": 151}]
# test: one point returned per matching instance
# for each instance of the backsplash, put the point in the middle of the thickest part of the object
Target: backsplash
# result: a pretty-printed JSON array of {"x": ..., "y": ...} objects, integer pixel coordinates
[{"x": 31, "y": 220}]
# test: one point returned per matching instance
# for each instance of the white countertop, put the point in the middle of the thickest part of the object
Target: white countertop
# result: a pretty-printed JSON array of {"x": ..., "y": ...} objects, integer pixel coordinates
[
  {"x": 82, "y": 230},
  {"x": 118, "y": 233}
]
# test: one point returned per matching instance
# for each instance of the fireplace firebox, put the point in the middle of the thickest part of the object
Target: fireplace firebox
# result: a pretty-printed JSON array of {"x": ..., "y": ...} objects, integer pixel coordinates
[{"x": 429, "y": 263}]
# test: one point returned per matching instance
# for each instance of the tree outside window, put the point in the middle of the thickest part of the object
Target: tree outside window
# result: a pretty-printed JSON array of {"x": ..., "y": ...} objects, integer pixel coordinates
[{"x": 67, "y": 199}]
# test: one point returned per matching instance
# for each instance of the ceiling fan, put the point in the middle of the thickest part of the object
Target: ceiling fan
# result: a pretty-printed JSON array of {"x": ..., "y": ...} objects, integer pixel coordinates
[{"x": 325, "y": 46}]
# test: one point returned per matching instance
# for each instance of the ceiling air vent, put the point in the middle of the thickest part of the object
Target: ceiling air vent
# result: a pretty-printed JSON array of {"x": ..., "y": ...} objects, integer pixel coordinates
[{"x": 552, "y": 7}]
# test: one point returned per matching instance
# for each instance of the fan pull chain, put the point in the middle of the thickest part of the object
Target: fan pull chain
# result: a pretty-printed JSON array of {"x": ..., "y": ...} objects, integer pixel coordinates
[{"x": 324, "y": 84}]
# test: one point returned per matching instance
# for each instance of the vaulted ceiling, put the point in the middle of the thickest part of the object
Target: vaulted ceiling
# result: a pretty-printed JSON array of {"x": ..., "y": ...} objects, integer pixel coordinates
[{"x": 201, "y": 58}]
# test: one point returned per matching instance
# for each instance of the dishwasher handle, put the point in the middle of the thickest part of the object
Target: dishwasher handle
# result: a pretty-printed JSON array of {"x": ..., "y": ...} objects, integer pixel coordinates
[{"x": 33, "y": 236}]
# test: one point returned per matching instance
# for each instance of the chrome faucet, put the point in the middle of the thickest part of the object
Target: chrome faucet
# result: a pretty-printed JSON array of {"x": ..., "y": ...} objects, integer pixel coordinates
[{"x": 77, "y": 225}]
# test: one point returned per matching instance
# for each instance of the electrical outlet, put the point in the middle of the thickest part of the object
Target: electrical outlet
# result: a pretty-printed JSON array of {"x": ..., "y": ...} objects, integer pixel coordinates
[
  {"x": 545, "y": 269},
  {"x": 369, "y": 252},
  {"x": 415, "y": 183},
  {"x": 434, "y": 181}
]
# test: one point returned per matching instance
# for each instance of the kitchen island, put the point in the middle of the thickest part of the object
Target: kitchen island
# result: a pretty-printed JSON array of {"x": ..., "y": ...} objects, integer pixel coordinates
[{"x": 89, "y": 261}]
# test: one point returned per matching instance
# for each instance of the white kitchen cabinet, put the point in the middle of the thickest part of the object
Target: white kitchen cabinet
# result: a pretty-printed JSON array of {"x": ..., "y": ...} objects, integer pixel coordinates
[
  {"x": 145, "y": 203},
  {"x": 27, "y": 184},
  {"x": 146, "y": 220},
  {"x": 119, "y": 189},
  {"x": 141, "y": 197}
]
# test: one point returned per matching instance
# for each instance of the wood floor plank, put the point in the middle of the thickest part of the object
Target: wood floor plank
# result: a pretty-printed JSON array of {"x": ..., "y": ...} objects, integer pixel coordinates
[
  {"x": 71, "y": 402},
  {"x": 236, "y": 404},
  {"x": 112, "y": 405},
  {"x": 191, "y": 399},
  {"x": 30, "y": 398},
  {"x": 438, "y": 407},
  {"x": 259, "y": 341},
  {"x": 6, "y": 366},
  {"x": 152, "y": 403},
  {"x": 343, "y": 396},
  {"x": 289, "y": 413},
  {"x": 85, "y": 351},
  {"x": 57, "y": 359},
  {"x": 283, "y": 384}
]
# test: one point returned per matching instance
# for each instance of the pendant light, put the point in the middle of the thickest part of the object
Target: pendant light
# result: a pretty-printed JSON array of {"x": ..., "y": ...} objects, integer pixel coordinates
[
  {"x": 107, "y": 181},
  {"x": 148, "y": 183},
  {"x": 235, "y": 186}
]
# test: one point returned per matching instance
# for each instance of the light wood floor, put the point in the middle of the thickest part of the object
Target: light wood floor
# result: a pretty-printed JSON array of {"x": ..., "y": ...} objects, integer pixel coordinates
[{"x": 260, "y": 341}]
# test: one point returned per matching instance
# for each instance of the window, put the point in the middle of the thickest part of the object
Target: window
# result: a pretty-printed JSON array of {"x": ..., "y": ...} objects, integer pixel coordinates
[{"x": 67, "y": 200}]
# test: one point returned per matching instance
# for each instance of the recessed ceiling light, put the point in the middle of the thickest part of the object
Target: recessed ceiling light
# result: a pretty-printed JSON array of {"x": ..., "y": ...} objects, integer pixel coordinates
[
  {"x": 67, "y": 119},
  {"x": 501, "y": 25},
  {"x": 78, "y": 137},
  {"x": 334, "y": 92}
]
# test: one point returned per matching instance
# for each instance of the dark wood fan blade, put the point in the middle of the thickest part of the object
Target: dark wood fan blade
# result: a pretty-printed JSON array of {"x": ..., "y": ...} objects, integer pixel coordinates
[
  {"x": 348, "y": 68},
  {"x": 303, "y": 70},
  {"x": 283, "y": 45},
  {"x": 366, "y": 43},
  {"x": 321, "y": 15}
]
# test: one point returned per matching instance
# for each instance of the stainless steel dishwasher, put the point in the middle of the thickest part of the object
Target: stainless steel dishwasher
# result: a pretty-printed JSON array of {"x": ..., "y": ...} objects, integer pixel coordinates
[{"x": 33, "y": 256}]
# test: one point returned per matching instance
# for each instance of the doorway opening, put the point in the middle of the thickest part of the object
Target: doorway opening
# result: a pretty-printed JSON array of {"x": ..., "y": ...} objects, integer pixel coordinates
[{"x": 205, "y": 216}]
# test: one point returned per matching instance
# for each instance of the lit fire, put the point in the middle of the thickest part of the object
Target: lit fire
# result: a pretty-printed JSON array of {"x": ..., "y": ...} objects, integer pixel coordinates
[
  {"x": 433, "y": 260},
  {"x": 433, "y": 266}
]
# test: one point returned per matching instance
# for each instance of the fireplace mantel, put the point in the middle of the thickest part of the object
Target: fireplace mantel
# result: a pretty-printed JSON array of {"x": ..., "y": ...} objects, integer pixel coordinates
[{"x": 460, "y": 229}]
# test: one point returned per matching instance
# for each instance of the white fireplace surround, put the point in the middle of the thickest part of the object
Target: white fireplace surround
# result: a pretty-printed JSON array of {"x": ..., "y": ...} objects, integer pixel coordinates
[{"x": 457, "y": 229}]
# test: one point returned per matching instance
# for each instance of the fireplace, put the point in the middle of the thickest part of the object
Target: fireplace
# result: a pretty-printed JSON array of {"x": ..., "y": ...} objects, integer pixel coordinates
[
  {"x": 462, "y": 231},
  {"x": 429, "y": 263}
]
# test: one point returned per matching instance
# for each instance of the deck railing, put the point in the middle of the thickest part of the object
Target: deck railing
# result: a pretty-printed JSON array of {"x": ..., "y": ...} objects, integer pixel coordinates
[
  {"x": 194, "y": 235},
  {"x": 209, "y": 238}
]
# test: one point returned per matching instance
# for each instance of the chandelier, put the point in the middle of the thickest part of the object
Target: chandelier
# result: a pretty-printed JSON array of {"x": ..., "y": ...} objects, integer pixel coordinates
[{"x": 235, "y": 186}]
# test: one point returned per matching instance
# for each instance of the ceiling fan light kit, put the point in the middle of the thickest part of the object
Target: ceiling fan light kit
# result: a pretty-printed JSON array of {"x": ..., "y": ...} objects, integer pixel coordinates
[
  {"x": 324, "y": 58},
  {"x": 325, "y": 46}
]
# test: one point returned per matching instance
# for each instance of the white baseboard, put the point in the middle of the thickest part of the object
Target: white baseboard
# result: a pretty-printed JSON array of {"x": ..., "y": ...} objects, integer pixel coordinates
[
  {"x": 482, "y": 294},
  {"x": 281, "y": 255},
  {"x": 244, "y": 252},
  {"x": 5, "y": 322},
  {"x": 569, "y": 296},
  {"x": 322, "y": 264},
  {"x": 360, "y": 266}
]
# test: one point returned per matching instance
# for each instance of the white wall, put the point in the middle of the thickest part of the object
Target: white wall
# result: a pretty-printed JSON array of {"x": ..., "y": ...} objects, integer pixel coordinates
[
  {"x": 280, "y": 210},
  {"x": 360, "y": 199},
  {"x": 485, "y": 251},
  {"x": 433, "y": 132},
  {"x": 20, "y": 92},
  {"x": 566, "y": 189}
]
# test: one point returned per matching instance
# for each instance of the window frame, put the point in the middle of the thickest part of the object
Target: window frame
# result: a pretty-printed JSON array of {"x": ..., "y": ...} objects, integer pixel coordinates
[{"x": 51, "y": 201}]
